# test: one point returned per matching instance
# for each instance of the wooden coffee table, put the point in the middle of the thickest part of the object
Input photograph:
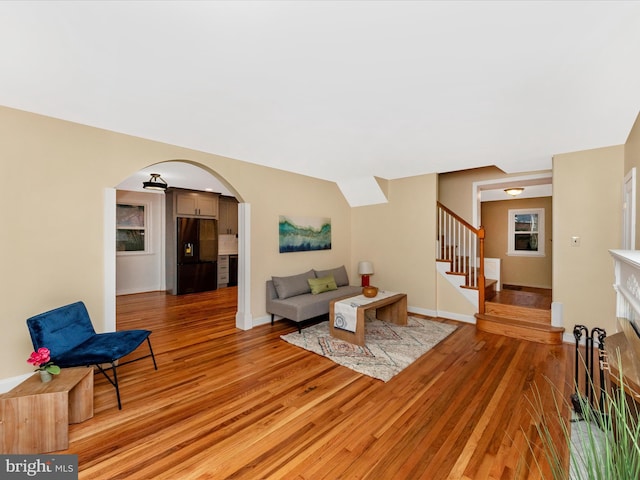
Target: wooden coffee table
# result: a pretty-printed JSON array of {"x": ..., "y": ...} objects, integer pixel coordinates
[{"x": 390, "y": 309}]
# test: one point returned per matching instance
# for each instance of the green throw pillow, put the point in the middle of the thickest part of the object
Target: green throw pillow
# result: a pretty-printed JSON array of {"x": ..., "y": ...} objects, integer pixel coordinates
[{"x": 324, "y": 284}]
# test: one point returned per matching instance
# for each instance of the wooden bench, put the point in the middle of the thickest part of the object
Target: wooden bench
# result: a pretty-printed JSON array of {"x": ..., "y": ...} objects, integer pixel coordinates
[{"x": 35, "y": 416}]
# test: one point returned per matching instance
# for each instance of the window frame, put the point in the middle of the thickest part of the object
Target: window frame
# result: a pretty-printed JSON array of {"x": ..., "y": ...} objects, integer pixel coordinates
[
  {"x": 511, "y": 251},
  {"x": 146, "y": 207}
]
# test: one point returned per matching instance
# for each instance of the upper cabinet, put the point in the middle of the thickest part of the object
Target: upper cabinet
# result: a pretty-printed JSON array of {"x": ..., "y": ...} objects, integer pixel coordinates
[
  {"x": 228, "y": 218},
  {"x": 190, "y": 203}
]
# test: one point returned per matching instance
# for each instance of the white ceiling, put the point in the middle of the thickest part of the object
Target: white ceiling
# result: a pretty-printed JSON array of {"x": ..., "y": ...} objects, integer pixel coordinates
[{"x": 335, "y": 90}]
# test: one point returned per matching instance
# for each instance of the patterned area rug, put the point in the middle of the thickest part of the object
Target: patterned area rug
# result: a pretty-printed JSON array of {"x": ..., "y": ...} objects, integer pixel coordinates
[{"x": 389, "y": 348}]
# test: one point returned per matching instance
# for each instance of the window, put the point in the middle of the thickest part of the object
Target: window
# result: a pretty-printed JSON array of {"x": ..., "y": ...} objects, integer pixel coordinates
[
  {"x": 526, "y": 232},
  {"x": 131, "y": 228}
]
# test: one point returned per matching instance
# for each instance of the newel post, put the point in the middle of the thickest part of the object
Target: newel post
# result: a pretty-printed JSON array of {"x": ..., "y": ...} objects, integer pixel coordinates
[{"x": 481, "y": 290}]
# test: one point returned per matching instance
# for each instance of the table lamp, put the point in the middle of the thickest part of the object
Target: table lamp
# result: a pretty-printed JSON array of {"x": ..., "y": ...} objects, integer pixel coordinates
[{"x": 365, "y": 269}]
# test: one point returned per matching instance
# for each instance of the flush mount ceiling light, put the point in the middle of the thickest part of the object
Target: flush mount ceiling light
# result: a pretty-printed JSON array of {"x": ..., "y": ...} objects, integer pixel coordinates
[
  {"x": 155, "y": 183},
  {"x": 514, "y": 191}
]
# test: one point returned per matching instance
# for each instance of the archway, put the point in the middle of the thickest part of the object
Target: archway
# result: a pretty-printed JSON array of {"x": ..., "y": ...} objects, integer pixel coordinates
[{"x": 183, "y": 174}]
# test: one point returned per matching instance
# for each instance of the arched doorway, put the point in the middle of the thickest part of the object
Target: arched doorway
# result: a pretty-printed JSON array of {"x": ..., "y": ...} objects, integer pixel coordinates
[{"x": 183, "y": 174}]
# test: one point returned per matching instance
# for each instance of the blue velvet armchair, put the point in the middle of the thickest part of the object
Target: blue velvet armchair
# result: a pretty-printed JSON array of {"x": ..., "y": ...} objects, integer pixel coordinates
[{"x": 73, "y": 342}]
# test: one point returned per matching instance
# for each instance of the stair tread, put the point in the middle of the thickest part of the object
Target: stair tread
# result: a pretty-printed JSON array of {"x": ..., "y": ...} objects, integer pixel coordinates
[
  {"x": 520, "y": 323},
  {"x": 516, "y": 307},
  {"x": 522, "y": 329},
  {"x": 521, "y": 312}
]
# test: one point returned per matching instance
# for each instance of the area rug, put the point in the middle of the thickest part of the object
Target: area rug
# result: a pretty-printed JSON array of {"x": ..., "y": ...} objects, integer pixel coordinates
[{"x": 389, "y": 348}]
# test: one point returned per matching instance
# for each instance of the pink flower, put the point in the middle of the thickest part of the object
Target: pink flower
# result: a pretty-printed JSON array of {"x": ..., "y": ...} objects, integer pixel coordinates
[{"x": 42, "y": 356}]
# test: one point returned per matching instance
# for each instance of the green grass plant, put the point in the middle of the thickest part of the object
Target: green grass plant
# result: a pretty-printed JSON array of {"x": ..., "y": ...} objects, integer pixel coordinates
[{"x": 607, "y": 446}]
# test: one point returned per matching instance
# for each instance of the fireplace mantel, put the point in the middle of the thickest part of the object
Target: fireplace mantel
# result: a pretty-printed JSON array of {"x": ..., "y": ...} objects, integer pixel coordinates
[{"x": 623, "y": 348}]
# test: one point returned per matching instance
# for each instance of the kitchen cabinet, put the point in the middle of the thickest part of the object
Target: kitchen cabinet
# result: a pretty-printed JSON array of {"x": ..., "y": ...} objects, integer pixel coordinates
[
  {"x": 223, "y": 270},
  {"x": 190, "y": 203},
  {"x": 228, "y": 215}
]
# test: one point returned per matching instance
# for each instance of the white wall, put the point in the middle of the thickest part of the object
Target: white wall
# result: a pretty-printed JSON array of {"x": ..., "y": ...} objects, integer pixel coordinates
[{"x": 143, "y": 272}]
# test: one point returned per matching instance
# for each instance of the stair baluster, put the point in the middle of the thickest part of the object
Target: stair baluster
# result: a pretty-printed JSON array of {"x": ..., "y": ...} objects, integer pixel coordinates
[{"x": 463, "y": 245}]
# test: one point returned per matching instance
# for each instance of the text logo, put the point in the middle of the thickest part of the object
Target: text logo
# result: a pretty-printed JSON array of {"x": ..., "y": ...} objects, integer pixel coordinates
[{"x": 51, "y": 467}]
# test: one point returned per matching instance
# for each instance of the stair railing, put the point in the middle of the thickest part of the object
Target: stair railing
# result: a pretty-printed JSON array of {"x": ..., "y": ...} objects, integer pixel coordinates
[{"x": 462, "y": 244}]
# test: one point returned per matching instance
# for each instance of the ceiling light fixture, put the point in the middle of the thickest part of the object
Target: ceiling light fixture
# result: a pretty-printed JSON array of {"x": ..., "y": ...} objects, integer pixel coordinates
[
  {"x": 514, "y": 191},
  {"x": 155, "y": 183}
]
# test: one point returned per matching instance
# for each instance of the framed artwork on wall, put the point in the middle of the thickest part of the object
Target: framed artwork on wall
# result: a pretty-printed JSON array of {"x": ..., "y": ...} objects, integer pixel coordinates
[{"x": 302, "y": 234}]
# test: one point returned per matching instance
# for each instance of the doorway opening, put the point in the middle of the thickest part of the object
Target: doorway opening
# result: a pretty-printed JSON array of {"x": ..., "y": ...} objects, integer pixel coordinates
[
  {"x": 526, "y": 276},
  {"x": 127, "y": 273}
]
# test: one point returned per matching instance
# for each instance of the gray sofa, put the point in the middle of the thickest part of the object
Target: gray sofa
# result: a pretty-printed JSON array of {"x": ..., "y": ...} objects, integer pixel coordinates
[{"x": 291, "y": 297}]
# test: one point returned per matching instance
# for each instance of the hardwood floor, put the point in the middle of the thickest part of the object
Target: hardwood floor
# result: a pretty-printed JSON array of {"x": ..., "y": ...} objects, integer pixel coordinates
[
  {"x": 227, "y": 403},
  {"x": 524, "y": 297}
]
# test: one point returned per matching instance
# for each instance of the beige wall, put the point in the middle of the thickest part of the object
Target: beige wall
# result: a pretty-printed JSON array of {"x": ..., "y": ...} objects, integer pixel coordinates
[
  {"x": 55, "y": 176},
  {"x": 587, "y": 202},
  {"x": 52, "y": 240},
  {"x": 516, "y": 270},
  {"x": 455, "y": 189},
  {"x": 451, "y": 304},
  {"x": 631, "y": 160},
  {"x": 399, "y": 238}
]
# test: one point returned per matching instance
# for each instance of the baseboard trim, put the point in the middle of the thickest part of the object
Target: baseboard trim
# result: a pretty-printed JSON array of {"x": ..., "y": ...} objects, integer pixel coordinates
[
  {"x": 264, "y": 320},
  {"x": 457, "y": 316},
  {"x": 7, "y": 384},
  {"x": 422, "y": 311}
]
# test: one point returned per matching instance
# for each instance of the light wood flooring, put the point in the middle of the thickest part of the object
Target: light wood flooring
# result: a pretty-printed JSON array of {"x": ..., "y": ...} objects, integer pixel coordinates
[{"x": 227, "y": 403}]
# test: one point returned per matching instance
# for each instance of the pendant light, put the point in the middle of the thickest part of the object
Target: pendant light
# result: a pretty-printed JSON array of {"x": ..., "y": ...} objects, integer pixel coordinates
[{"x": 156, "y": 182}]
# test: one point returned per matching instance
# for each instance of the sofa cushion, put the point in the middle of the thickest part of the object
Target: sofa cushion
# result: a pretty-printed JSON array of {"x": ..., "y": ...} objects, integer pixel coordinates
[
  {"x": 293, "y": 285},
  {"x": 339, "y": 274},
  {"x": 324, "y": 284}
]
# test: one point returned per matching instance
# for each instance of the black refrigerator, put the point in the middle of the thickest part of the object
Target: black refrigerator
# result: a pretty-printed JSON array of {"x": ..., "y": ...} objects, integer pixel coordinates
[{"x": 197, "y": 255}]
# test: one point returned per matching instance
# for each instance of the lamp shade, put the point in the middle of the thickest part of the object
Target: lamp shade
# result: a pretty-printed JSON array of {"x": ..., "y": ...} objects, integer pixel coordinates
[{"x": 365, "y": 268}]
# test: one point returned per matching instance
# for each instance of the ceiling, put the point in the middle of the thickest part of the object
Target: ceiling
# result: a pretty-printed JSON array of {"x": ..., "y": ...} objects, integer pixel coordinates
[{"x": 341, "y": 91}]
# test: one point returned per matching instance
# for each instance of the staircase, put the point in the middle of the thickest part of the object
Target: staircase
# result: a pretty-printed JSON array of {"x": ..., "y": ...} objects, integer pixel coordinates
[{"x": 460, "y": 256}]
